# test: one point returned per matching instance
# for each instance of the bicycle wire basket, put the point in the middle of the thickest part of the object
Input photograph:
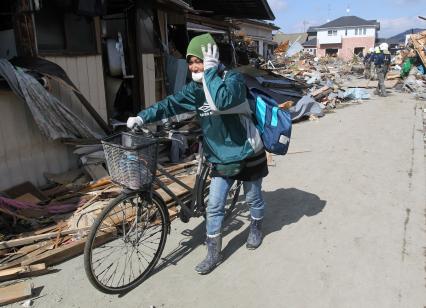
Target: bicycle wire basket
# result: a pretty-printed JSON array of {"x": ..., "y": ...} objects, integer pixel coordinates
[{"x": 131, "y": 159}]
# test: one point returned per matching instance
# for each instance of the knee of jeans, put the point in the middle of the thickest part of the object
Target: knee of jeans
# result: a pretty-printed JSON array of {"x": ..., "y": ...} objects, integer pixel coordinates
[
  {"x": 254, "y": 200},
  {"x": 214, "y": 205}
]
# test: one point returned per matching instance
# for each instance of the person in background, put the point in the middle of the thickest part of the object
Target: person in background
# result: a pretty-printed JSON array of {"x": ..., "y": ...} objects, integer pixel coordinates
[
  {"x": 384, "y": 47},
  {"x": 379, "y": 63},
  {"x": 231, "y": 141},
  {"x": 367, "y": 63},
  {"x": 373, "y": 74}
]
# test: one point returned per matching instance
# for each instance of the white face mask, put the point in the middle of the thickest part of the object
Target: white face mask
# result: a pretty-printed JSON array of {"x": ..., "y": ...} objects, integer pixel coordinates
[{"x": 197, "y": 77}]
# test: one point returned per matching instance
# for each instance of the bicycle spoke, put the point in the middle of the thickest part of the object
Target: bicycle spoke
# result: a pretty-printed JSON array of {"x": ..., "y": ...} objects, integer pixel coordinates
[{"x": 134, "y": 250}]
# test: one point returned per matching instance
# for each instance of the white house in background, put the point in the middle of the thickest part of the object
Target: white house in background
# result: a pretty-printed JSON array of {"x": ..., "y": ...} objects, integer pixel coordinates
[
  {"x": 260, "y": 32},
  {"x": 346, "y": 36},
  {"x": 310, "y": 46}
]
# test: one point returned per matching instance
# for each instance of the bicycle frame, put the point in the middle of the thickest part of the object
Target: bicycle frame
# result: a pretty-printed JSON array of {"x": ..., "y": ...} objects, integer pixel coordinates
[{"x": 188, "y": 210}]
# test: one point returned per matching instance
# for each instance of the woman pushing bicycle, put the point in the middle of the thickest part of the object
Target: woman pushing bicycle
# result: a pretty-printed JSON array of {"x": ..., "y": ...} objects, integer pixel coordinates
[{"x": 231, "y": 141}]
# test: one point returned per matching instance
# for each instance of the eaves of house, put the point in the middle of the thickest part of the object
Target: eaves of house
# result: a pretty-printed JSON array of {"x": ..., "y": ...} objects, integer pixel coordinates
[
  {"x": 346, "y": 22},
  {"x": 258, "y": 9}
]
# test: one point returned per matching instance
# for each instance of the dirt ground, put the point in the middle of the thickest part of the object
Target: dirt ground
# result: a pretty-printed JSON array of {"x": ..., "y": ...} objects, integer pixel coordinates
[{"x": 344, "y": 227}]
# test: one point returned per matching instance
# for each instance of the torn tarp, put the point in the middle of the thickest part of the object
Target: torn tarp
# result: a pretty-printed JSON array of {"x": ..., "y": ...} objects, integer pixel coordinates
[
  {"x": 295, "y": 48},
  {"x": 356, "y": 93},
  {"x": 306, "y": 106},
  {"x": 54, "y": 119}
]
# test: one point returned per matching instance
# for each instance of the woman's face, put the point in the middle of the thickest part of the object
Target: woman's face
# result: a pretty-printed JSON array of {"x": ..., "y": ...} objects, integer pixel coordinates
[{"x": 195, "y": 65}]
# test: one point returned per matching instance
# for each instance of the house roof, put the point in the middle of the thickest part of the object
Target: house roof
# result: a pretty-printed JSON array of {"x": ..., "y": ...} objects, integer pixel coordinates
[
  {"x": 291, "y": 37},
  {"x": 256, "y": 22},
  {"x": 348, "y": 21},
  {"x": 400, "y": 38},
  {"x": 311, "y": 30},
  {"x": 258, "y": 9},
  {"x": 310, "y": 43},
  {"x": 202, "y": 28}
]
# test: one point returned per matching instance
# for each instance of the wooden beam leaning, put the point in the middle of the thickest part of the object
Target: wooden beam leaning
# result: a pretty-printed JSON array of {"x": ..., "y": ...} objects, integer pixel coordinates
[
  {"x": 22, "y": 271},
  {"x": 35, "y": 238},
  {"x": 15, "y": 293}
]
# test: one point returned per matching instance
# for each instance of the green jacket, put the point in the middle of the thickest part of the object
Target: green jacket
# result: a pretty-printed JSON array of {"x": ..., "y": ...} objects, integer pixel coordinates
[{"x": 224, "y": 114}]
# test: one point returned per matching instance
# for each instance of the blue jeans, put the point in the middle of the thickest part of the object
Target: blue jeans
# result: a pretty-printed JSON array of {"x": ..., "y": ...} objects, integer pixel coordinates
[{"x": 219, "y": 188}]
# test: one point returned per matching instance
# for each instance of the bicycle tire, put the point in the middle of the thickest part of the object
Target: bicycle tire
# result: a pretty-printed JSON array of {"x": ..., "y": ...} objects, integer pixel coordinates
[
  {"x": 204, "y": 189},
  {"x": 156, "y": 215}
]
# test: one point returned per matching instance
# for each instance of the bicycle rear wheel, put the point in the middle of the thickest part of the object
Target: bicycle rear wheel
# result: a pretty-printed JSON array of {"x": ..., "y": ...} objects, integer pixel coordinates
[
  {"x": 204, "y": 190},
  {"x": 126, "y": 242}
]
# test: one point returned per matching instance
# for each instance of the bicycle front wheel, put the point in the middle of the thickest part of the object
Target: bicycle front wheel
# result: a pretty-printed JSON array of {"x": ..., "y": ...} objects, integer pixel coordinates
[{"x": 126, "y": 242}]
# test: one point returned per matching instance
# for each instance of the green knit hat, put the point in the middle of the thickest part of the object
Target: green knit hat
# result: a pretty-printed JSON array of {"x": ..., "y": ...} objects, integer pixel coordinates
[{"x": 194, "y": 47}]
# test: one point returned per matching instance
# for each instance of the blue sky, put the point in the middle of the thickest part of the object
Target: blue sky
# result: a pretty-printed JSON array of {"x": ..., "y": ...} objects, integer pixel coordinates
[{"x": 395, "y": 16}]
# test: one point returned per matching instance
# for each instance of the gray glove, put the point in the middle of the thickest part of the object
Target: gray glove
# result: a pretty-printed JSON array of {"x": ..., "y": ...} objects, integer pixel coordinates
[
  {"x": 211, "y": 56},
  {"x": 134, "y": 121}
]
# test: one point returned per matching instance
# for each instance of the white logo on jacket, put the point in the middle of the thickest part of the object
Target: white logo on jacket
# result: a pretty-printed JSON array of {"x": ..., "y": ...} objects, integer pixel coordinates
[{"x": 205, "y": 110}]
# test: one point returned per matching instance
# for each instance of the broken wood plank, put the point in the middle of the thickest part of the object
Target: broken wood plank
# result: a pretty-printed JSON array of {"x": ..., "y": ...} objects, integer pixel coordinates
[
  {"x": 177, "y": 189},
  {"x": 28, "y": 197},
  {"x": 67, "y": 251},
  {"x": 181, "y": 166},
  {"x": 93, "y": 199},
  {"x": 320, "y": 91},
  {"x": 15, "y": 293},
  {"x": 99, "y": 183},
  {"x": 11, "y": 213},
  {"x": 36, "y": 238},
  {"x": 22, "y": 271},
  {"x": 26, "y": 187},
  {"x": 173, "y": 212},
  {"x": 13, "y": 263},
  {"x": 45, "y": 230},
  {"x": 30, "y": 248},
  {"x": 419, "y": 44}
]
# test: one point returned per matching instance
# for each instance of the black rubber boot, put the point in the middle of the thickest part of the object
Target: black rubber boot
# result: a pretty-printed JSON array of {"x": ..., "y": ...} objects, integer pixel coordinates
[
  {"x": 255, "y": 236},
  {"x": 213, "y": 258}
]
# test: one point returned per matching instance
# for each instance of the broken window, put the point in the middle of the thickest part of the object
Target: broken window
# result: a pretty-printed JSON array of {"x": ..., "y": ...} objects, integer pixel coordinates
[
  {"x": 359, "y": 51},
  {"x": 331, "y": 52}
]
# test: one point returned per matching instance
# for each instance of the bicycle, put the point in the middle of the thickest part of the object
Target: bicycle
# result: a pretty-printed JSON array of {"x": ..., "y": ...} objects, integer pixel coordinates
[{"x": 136, "y": 223}]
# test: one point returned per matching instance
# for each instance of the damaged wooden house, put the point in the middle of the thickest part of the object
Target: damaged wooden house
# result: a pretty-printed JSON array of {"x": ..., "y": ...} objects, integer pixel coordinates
[{"x": 71, "y": 70}]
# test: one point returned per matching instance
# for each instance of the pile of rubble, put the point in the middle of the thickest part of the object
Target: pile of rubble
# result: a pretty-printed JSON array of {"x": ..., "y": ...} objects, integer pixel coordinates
[
  {"x": 411, "y": 64},
  {"x": 324, "y": 78},
  {"x": 41, "y": 227}
]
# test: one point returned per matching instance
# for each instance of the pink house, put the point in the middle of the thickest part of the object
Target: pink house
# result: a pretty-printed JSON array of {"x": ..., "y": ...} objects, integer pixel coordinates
[{"x": 346, "y": 36}]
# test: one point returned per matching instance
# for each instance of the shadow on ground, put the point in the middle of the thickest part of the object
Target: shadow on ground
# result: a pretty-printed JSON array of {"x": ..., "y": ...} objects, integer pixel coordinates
[{"x": 284, "y": 207}]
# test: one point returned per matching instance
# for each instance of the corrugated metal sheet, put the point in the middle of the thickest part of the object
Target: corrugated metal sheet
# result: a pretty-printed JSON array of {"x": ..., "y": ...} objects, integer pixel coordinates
[
  {"x": 86, "y": 72},
  {"x": 258, "y": 9},
  {"x": 24, "y": 153}
]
